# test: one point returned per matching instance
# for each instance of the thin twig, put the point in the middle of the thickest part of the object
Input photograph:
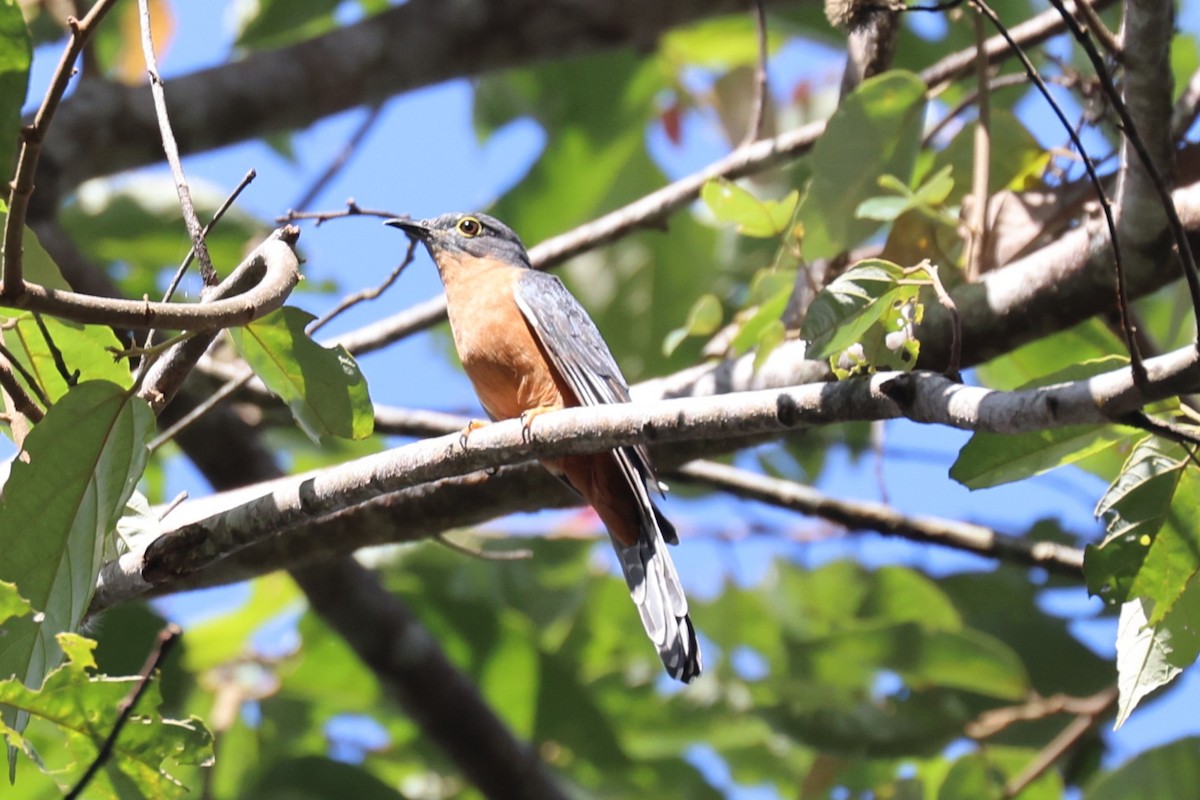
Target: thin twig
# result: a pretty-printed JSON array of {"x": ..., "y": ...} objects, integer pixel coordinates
[
  {"x": 1135, "y": 358},
  {"x": 1068, "y": 738},
  {"x": 187, "y": 260},
  {"x": 26, "y": 374},
  {"x": 996, "y": 720},
  {"x": 352, "y": 209},
  {"x": 207, "y": 273},
  {"x": 758, "y": 112},
  {"x": 1186, "y": 108},
  {"x": 211, "y": 402},
  {"x": 60, "y": 363},
  {"x": 1180, "y": 434},
  {"x": 21, "y": 401},
  {"x": 339, "y": 160},
  {"x": 366, "y": 294},
  {"x": 954, "y": 367},
  {"x": 171, "y": 506},
  {"x": 995, "y": 83},
  {"x": 977, "y": 224},
  {"x": 519, "y": 554},
  {"x": 167, "y": 638},
  {"x": 1129, "y": 129},
  {"x": 877, "y": 517},
  {"x": 12, "y": 283}
]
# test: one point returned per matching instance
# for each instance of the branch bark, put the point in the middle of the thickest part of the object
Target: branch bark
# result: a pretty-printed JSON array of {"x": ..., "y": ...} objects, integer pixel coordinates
[{"x": 923, "y": 397}]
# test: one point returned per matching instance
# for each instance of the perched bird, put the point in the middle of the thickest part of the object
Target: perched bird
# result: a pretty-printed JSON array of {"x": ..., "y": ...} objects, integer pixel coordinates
[{"x": 529, "y": 347}]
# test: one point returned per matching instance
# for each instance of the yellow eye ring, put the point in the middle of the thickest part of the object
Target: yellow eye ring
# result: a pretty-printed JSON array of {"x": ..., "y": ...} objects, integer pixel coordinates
[{"x": 469, "y": 227}]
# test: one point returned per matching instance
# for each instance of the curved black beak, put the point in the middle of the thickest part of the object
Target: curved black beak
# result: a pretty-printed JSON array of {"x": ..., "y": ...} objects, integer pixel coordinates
[{"x": 413, "y": 227}]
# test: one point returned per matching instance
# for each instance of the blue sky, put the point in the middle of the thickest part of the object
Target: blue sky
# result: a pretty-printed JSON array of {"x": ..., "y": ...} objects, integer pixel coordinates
[{"x": 422, "y": 158}]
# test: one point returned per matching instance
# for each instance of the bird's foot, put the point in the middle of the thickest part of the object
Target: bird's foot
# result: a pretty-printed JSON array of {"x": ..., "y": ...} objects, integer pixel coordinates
[
  {"x": 472, "y": 426},
  {"x": 527, "y": 417}
]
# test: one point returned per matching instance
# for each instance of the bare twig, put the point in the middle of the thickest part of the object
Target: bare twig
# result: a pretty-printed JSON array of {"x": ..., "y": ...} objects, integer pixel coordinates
[
  {"x": 22, "y": 403},
  {"x": 518, "y": 554},
  {"x": 1088, "y": 715},
  {"x": 56, "y": 355},
  {"x": 954, "y": 367},
  {"x": 191, "y": 254},
  {"x": 207, "y": 273},
  {"x": 171, "y": 506},
  {"x": 883, "y": 519},
  {"x": 994, "y": 83},
  {"x": 167, "y": 638},
  {"x": 12, "y": 283},
  {"x": 1135, "y": 359},
  {"x": 339, "y": 160},
  {"x": 352, "y": 209},
  {"x": 16, "y": 364},
  {"x": 226, "y": 389},
  {"x": 758, "y": 111},
  {"x": 996, "y": 720},
  {"x": 1153, "y": 173},
  {"x": 977, "y": 224},
  {"x": 366, "y": 294}
]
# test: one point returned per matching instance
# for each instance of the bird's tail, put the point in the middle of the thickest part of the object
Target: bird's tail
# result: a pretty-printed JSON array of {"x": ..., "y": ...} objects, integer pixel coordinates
[{"x": 656, "y": 591}]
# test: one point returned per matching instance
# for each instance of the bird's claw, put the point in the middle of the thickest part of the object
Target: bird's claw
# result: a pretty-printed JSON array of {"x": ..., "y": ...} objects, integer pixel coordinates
[{"x": 472, "y": 426}]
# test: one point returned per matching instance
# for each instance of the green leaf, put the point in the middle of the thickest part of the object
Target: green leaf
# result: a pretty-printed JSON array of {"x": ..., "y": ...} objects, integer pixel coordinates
[
  {"x": 510, "y": 676},
  {"x": 869, "y": 293},
  {"x": 732, "y": 204},
  {"x": 1040, "y": 362},
  {"x": 1162, "y": 773},
  {"x": 771, "y": 337},
  {"x": 772, "y": 289},
  {"x": 1173, "y": 560},
  {"x": 1016, "y": 157},
  {"x": 16, "y": 52},
  {"x": 84, "y": 349},
  {"x": 883, "y": 209},
  {"x": 926, "y": 659},
  {"x": 704, "y": 318},
  {"x": 275, "y": 23},
  {"x": 990, "y": 459},
  {"x": 84, "y": 709},
  {"x": 84, "y": 459},
  {"x": 217, "y": 641},
  {"x": 323, "y": 386},
  {"x": 1134, "y": 509},
  {"x": 1150, "y": 656},
  {"x": 11, "y": 602},
  {"x": 316, "y": 778},
  {"x": 720, "y": 43},
  {"x": 875, "y": 131}
]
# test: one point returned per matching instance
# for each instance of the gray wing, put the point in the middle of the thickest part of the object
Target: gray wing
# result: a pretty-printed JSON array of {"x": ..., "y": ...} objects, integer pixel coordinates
[
  {"x": 577, "y": 349},
  {"x": 579, "y": 353}
]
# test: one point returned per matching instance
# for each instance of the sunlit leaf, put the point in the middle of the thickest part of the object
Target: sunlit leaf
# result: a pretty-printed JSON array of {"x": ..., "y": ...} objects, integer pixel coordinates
[
  {"x": 875, "y": 131},
  {"x": 703, "y": 319},
  {"x": 268, "y": 24},
  {"x": 1166, "y": 772},
  {"x": 84, "y": 459},
  {"x": 323, "y": 386},
  {"x": 990, "y": 459},
  {"x": 85, "y": 349},
  {"x": 1150, "y": 656},
  {"x": 1134, "y": 509},
  {"x": 732, "y": 204},
  {"x": 83, "y": 708},
  {"x": 1016, "y": 157}
]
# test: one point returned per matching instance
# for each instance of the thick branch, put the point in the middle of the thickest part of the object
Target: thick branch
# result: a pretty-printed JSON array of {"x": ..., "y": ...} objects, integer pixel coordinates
[
  {"x": 107, "y": 128},
  {"x": 924, "y": 397},
  {"x": 273, "y": 266}
]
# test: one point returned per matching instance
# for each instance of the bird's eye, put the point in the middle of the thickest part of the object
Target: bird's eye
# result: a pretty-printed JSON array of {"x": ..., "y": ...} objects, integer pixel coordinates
[{"x": 470, "y": 227}]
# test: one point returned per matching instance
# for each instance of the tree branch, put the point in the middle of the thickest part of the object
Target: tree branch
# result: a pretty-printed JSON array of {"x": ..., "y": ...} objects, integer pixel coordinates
[
  {"x": 923, "y": 397},
  {"x": 857, "y": 515}
]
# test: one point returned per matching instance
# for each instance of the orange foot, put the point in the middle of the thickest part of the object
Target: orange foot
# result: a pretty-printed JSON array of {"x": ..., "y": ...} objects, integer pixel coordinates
[
  {"x": 472, "y": 426},
  {"x": 527, "y": 417}
]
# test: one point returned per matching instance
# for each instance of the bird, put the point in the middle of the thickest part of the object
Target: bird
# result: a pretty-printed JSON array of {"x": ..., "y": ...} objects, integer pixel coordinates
[{"x": 529, "y": 347}]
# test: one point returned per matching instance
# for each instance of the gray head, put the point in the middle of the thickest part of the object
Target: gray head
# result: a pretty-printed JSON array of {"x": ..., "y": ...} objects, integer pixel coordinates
[{"x": 473, "y": 235}]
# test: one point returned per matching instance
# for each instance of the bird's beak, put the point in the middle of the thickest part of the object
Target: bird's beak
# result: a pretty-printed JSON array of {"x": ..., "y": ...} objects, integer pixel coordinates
[{"x": 413, "y": 227}]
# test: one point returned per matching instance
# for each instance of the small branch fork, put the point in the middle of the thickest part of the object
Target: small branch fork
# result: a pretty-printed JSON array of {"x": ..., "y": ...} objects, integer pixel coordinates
[{"x": 12, "y": 282}]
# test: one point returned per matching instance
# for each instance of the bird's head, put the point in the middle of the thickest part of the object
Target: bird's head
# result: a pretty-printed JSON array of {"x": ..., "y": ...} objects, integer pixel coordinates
[{"x": 459, "y": 235}]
